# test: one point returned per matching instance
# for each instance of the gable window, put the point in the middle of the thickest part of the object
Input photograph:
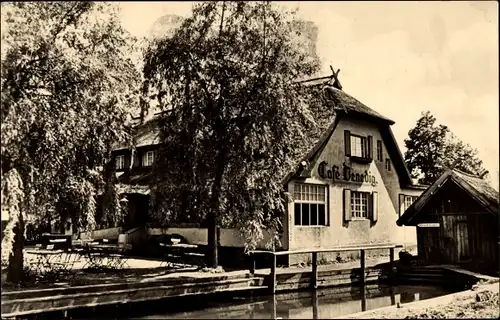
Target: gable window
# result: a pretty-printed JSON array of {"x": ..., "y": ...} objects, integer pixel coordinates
[
  {"x": 388, "y": 164},
  {"x": 405, "y": 201},
  {"x": 379, "y": 151},
  {"x": 310, "y": 205},
  {"x": 359, "y": 148},
  {"x": 148, "y": 158},
  {"x": 120, "y": 162},
  {"x": 360, "y": 205}
]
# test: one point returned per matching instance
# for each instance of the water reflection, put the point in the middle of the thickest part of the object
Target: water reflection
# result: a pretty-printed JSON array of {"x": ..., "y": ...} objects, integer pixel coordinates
[
  {"x": 320, "y": 304},
  {"x": 315, "y": 305}
]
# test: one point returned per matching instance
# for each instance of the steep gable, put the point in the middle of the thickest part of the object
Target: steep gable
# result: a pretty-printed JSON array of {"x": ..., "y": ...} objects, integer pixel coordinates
[{"x": 345, "y": 106}]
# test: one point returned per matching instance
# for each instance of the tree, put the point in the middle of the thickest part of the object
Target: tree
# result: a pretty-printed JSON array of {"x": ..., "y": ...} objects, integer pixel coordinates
[
  {"x": 234, "y": 117},
  {"x": 67, "y": 84},
  {"x": 432, "y": 148}
]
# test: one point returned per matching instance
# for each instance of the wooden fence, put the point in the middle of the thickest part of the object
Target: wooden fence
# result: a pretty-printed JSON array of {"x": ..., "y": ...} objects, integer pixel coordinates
[{"x": 314, "y": 252}]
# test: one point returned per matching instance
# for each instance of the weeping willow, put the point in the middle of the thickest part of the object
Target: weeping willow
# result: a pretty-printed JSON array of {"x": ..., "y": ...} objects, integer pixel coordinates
[{"x": 12, "y": 198}]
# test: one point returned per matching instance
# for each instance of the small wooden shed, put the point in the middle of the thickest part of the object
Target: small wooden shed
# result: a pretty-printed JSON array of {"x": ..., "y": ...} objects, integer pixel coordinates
[{"x": 457, "y": 222}]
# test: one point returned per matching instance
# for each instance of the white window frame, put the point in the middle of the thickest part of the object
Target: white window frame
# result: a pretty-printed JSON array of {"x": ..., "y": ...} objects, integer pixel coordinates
[
  {"x": 120, "y": 162},
  {"x": 360, "y": 205},
  {"x": 408, "y": 201},
  {"x": 312, "y": 194},
  {"x": 358, "y": 146},
  {"x": 148, "y": 158}
]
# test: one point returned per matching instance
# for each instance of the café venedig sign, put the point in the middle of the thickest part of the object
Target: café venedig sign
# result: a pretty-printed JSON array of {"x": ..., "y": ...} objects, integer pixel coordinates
[{"x": 347, "y": 174}]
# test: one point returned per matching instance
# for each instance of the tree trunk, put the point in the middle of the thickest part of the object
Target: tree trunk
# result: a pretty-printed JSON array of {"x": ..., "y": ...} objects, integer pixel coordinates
[
  {"x": 15, "y": 269},
  {"x": 212, "y": 256}
]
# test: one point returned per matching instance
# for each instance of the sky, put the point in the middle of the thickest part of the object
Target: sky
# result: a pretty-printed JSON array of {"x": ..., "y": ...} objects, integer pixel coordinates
[{"x": 400, "y": 59}]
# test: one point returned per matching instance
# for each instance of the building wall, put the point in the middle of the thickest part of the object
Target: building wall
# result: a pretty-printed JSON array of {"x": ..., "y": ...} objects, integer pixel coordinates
[
  {"x": 199, "y": 236},
  {"x": 339, "y": 232},
  {"x": 465, "y": 234}
]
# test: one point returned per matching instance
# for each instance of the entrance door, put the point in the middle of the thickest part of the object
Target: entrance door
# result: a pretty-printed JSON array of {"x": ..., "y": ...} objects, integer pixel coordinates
[{"x": 462, "y": 235}]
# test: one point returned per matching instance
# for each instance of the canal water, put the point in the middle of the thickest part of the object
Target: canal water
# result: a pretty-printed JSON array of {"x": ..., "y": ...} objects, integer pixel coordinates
[{"x": 320, "y": 304}]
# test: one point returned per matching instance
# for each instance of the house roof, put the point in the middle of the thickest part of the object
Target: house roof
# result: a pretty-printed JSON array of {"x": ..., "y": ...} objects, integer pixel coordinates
[
  {"x": 345, "y": 105},
  {"x": 341, "y": 101},
  {"x": 479, "y": 189},
  {"x": 145, "y": 134}
]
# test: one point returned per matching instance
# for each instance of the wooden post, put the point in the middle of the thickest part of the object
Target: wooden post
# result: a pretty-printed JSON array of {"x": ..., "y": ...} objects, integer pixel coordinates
[
  {"x": 315, "y": 304},
  {"x": 314, "y": 275},
  {"x": 391, "y": 262},
  {"x": 273, "y": 274},
  {"x": 363, "y": 298},
  {"x": 252, "y": 263},
  {"x": 362, "y": 262},
  {"x": 275, "y": 303},
  {"x": 393, "y": 296}
]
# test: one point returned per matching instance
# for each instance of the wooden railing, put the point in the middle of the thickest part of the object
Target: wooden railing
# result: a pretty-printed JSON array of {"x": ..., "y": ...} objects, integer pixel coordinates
[{"x": 314, "y": 252}]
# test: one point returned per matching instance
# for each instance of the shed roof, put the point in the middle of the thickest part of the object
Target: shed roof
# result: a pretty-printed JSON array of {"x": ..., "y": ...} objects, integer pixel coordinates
[{"x": 479, "y": 189}]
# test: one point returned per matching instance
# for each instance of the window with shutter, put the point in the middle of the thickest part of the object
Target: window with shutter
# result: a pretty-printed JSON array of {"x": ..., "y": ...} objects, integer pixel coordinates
[
  {"x": 401, "y": 204},
  {"x": 405, "y": 202},
  {"x": 360, "y": 204},
  {"x": 369, "y": 153},
  {"x": 347, "y": 142},
  {"x": 374, "y": 206},
  {"x": 347, "y": 205},
  {"x": 358, "y": 148}
]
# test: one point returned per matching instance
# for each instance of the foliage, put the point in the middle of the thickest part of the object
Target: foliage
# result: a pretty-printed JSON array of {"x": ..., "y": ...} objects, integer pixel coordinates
[
  {"x": 12, "y": 197},
  {"x": 432, "y": 148},
  {"x": 67, "y": 85},
  {"x": 234, "y": 118}
]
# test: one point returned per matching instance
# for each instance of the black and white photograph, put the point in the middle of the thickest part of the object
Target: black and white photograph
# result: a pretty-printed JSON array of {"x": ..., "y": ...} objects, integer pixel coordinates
[{"x": 250, "y": 160}]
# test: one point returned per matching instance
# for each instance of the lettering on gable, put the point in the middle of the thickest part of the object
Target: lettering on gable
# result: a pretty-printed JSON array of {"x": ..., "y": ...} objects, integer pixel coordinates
[{"x": 347, "y": 174}]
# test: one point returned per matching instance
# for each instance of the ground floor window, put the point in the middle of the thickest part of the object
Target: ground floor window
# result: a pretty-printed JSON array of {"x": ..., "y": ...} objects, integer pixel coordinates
[
  {"x": 359, "y": 204},
  {"x": 405, "y": 201},
  {"x": 310, "y": 205}
]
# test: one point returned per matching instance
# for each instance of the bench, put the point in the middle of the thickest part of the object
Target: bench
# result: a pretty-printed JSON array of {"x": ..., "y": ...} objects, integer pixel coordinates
[{"x": 175, "y": 249}]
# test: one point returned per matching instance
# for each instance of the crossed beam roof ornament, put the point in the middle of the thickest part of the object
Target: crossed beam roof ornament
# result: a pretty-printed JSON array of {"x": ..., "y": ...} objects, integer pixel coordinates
[{"x": 334, "y": 81}]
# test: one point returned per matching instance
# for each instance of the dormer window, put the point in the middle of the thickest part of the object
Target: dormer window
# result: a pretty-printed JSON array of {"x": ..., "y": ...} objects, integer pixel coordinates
[
  {"x": 148, "y": 158},
  {"x": 358, "y": 148},
  {"x": 120, "y": 162}
]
